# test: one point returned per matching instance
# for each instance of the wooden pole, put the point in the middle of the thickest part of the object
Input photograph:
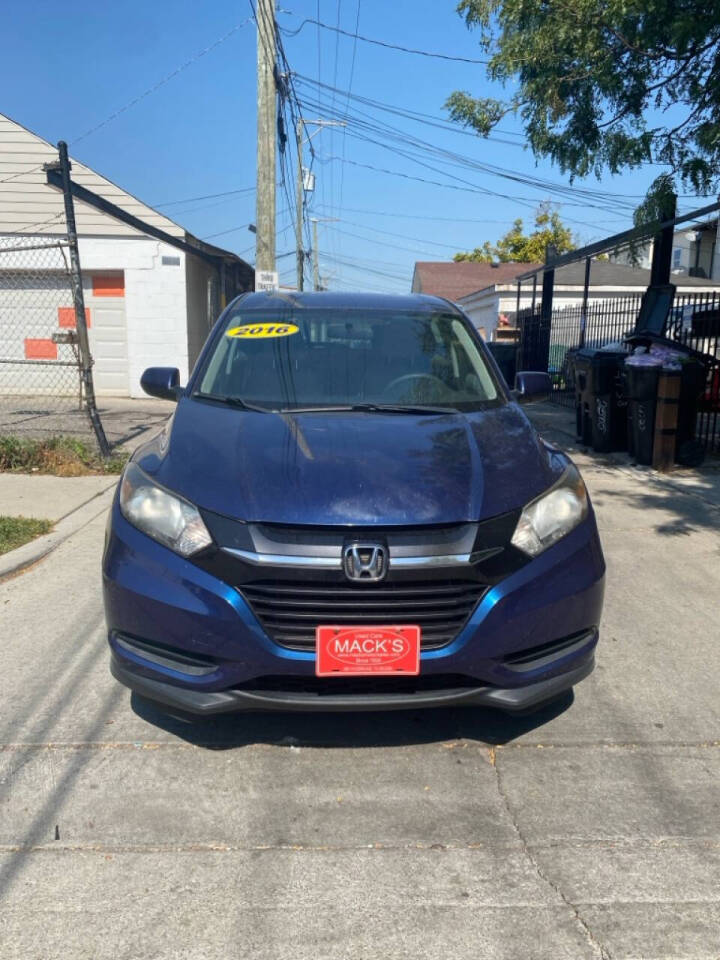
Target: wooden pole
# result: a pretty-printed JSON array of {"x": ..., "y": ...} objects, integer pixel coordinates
[
  {"x": 266, "y": 136},
  {"x": 316, "y": 258},
  {"x": 299, "y": 201}
]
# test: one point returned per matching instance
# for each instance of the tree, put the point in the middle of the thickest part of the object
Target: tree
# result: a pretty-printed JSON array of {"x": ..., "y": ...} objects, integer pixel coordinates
[
  {"x": 606, "y": 84},
  {"x": 516, "y": 246}
]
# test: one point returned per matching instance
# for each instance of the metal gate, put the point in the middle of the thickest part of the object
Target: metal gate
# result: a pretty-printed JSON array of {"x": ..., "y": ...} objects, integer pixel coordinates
[{"x": 40, "y": 383}]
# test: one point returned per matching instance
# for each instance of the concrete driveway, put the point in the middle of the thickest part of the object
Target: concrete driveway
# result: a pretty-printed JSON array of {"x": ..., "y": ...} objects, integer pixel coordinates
[{"x": 591, "y": 830}]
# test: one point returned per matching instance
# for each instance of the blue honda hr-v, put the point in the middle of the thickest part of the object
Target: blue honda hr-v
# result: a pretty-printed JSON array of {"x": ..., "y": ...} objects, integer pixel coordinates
[{"x": 349, "y": 510}]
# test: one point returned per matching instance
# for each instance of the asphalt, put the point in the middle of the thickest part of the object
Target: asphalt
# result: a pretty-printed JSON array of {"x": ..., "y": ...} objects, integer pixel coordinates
[{"x": 588, "y": 831}]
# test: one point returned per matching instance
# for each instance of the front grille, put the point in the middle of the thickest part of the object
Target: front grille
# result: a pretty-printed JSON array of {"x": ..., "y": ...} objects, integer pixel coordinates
[{"x": 290, "y": 611}]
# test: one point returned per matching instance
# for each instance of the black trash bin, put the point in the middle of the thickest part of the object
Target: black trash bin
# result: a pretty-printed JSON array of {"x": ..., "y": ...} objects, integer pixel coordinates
[
  {"x": 600, "y": 405},
  {"x": 583, "y": 371},
  {"x": 642, "y": 388},
  {"x": 608, "y": 404},
  {"x": 688, "y": 451}
]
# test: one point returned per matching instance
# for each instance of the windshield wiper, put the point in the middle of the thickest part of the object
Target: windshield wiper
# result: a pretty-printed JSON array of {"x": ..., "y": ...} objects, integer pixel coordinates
[
  {"x": 230, "y": 401},
  {"x": 369, "y": 408}
]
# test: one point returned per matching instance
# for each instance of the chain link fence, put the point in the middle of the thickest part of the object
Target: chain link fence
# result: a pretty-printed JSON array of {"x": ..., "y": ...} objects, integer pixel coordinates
[{"x": 41, "y": 393}]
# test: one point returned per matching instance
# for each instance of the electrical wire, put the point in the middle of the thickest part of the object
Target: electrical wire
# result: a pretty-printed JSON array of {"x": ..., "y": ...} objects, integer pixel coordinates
[
  {"x": 385, "y": 243},
  {"x": 349, "y": 94},
  {"x": 379, "y": 43},
  {"x": 332, "y": 103},
  {"x": 403, "y": 236},
  {"x": 209, "y": 196},
  {"x": 420, "y": 216},
  {"x": 365, "y": 123},
  {"x": 166, "y": 79}
]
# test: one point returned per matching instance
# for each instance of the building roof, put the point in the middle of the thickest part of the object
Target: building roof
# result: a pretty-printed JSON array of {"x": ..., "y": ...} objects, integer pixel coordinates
[
  {"x": 456, "y": 280},
  {"x": 31, "y": 207},
  {"x": 603, "y": 274}
]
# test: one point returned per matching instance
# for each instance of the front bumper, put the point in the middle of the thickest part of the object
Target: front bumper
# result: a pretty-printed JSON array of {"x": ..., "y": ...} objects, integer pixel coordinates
[
  {"x": 173, "y": 606},
  {"x": 512, "y": 700}
]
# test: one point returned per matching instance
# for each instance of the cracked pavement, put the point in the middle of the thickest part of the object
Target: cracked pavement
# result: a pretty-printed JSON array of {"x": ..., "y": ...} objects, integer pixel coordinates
[{"x": 587, "y": 831}]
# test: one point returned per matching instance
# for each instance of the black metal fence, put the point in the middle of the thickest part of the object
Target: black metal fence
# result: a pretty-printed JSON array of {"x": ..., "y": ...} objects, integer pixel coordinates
[{"x": 694, "y": 321}]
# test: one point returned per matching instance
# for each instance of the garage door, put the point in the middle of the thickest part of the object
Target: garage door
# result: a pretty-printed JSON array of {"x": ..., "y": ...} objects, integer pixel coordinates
[{"x": 108, "y": 335}]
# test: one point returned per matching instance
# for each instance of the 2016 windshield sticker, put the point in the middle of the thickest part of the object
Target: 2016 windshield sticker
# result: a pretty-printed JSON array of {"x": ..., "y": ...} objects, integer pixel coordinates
[{"x": 261, "y": 331}]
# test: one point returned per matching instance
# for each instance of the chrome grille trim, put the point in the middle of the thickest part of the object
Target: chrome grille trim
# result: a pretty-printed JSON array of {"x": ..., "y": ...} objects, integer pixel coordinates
[{"x": 335, "y": 563}]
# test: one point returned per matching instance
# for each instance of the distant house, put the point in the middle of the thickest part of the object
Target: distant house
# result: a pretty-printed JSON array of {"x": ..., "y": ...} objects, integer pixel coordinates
[
  {"x": 497, "y": 302},
  {"x": 149, "y": 302},
  {"x": 456, "y": 280},
  {"x": 695, "y": 253}
]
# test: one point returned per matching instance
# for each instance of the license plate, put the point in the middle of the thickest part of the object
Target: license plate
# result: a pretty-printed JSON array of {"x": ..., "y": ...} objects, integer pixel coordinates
[{"x": 367, "y": 651}]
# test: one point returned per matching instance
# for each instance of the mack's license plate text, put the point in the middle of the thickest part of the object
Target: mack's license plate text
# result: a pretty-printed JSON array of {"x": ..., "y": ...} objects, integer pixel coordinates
[{"x": 367, "y": 650}]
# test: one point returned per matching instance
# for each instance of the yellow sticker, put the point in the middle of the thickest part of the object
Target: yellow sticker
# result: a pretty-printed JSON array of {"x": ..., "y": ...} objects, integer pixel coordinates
[{"x": 261, "y": 331}]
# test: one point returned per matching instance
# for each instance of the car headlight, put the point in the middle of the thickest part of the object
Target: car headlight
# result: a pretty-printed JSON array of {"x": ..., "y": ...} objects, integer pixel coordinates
[
  {"x": 553, "y": 515},
  {"x": 162, "y": 515}
]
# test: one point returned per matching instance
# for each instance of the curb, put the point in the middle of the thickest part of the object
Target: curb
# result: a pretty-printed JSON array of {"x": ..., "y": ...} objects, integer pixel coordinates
[{"x": 31, "y": 553}]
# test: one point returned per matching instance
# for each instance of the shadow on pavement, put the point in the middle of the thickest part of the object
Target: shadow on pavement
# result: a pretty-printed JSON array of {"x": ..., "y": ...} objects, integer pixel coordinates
[{"x": 386, "y": 729}]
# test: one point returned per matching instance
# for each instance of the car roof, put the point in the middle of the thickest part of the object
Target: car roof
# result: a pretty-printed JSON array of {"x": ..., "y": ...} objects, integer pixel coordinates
[{"x": 416, "y": 302}]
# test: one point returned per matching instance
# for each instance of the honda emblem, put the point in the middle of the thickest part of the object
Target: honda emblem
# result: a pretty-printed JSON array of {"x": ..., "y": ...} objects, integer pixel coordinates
[{"x": 365, "y": 561}]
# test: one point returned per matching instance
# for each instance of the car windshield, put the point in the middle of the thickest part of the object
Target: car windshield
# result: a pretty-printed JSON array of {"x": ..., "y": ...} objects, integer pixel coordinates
[{"x": 290, "y": 360}]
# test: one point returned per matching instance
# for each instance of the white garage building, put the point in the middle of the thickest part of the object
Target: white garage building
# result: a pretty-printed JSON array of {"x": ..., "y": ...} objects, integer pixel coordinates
[{"x": 148, "y": 301}]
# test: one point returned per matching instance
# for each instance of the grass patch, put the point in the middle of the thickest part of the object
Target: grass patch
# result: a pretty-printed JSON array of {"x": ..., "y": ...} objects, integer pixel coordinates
[
  {"x": 61, "y": 456},
  {"x": 15, "y": 531}
]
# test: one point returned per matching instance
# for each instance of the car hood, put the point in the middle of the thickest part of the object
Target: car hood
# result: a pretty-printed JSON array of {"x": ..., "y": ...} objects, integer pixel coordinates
[{"x": 351, "y": 468}]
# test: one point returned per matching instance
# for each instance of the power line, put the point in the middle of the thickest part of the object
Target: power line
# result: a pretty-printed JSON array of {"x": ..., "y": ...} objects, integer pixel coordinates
[
  {"x": 384, "y": 243},
  {"x": 332, "y": 102},
  {"x": 161, "y": 83},
  {"x": 420, "y": 216},
  {"x": 380, "y": 273},
  {"x": 403, "y": 236},
  {"x": 390, "y": 132},
  {"x": 150, "y": 90},
  {"x": 380, "y": 43},
  {"x": 223, "y": 233},
  {"x": 23, "y": 173},
  {"x": 349, "y": 94},
  {"x": 428, "y": 119},
  {"x": 375, "y": 262},
  {"x": 209, "y": 196}
]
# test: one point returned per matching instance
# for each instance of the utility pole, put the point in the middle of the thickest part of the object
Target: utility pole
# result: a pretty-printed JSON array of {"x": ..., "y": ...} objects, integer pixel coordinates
[
  {"x": 315, "y": 255},
  {"x": 266, "y": 136},
  {"x": 300, "y": 200},
  {"x": 300, "y": 187}
]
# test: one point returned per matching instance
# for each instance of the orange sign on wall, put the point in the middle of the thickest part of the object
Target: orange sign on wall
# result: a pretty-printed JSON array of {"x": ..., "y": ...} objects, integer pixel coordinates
[
  {"x": 108, "y": 285},
  {"x": 67, "y": 317},
  {"x": 36, "y": 349}
]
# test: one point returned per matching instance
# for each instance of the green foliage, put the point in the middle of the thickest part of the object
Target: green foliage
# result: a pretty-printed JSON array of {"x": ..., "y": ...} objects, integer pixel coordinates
[
  {"x": 605, "y": 84},
  {"x": 62, "y": 456},
  {"x": 15, "y": 531},
  {"x": 516, "y": 246}
]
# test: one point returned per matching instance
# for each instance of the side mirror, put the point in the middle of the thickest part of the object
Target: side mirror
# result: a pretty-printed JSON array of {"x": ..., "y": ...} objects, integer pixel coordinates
[
  {"x": 531, "y": 386},
  {"x": 162, "y": 382}
]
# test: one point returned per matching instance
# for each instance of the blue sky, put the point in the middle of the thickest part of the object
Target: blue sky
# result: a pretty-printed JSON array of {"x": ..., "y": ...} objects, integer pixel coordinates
[{"x": 69, "y": 68}]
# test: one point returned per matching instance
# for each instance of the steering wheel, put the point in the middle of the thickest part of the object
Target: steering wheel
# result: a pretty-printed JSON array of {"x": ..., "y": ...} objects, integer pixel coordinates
[{"x": 431, "y": 380}]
